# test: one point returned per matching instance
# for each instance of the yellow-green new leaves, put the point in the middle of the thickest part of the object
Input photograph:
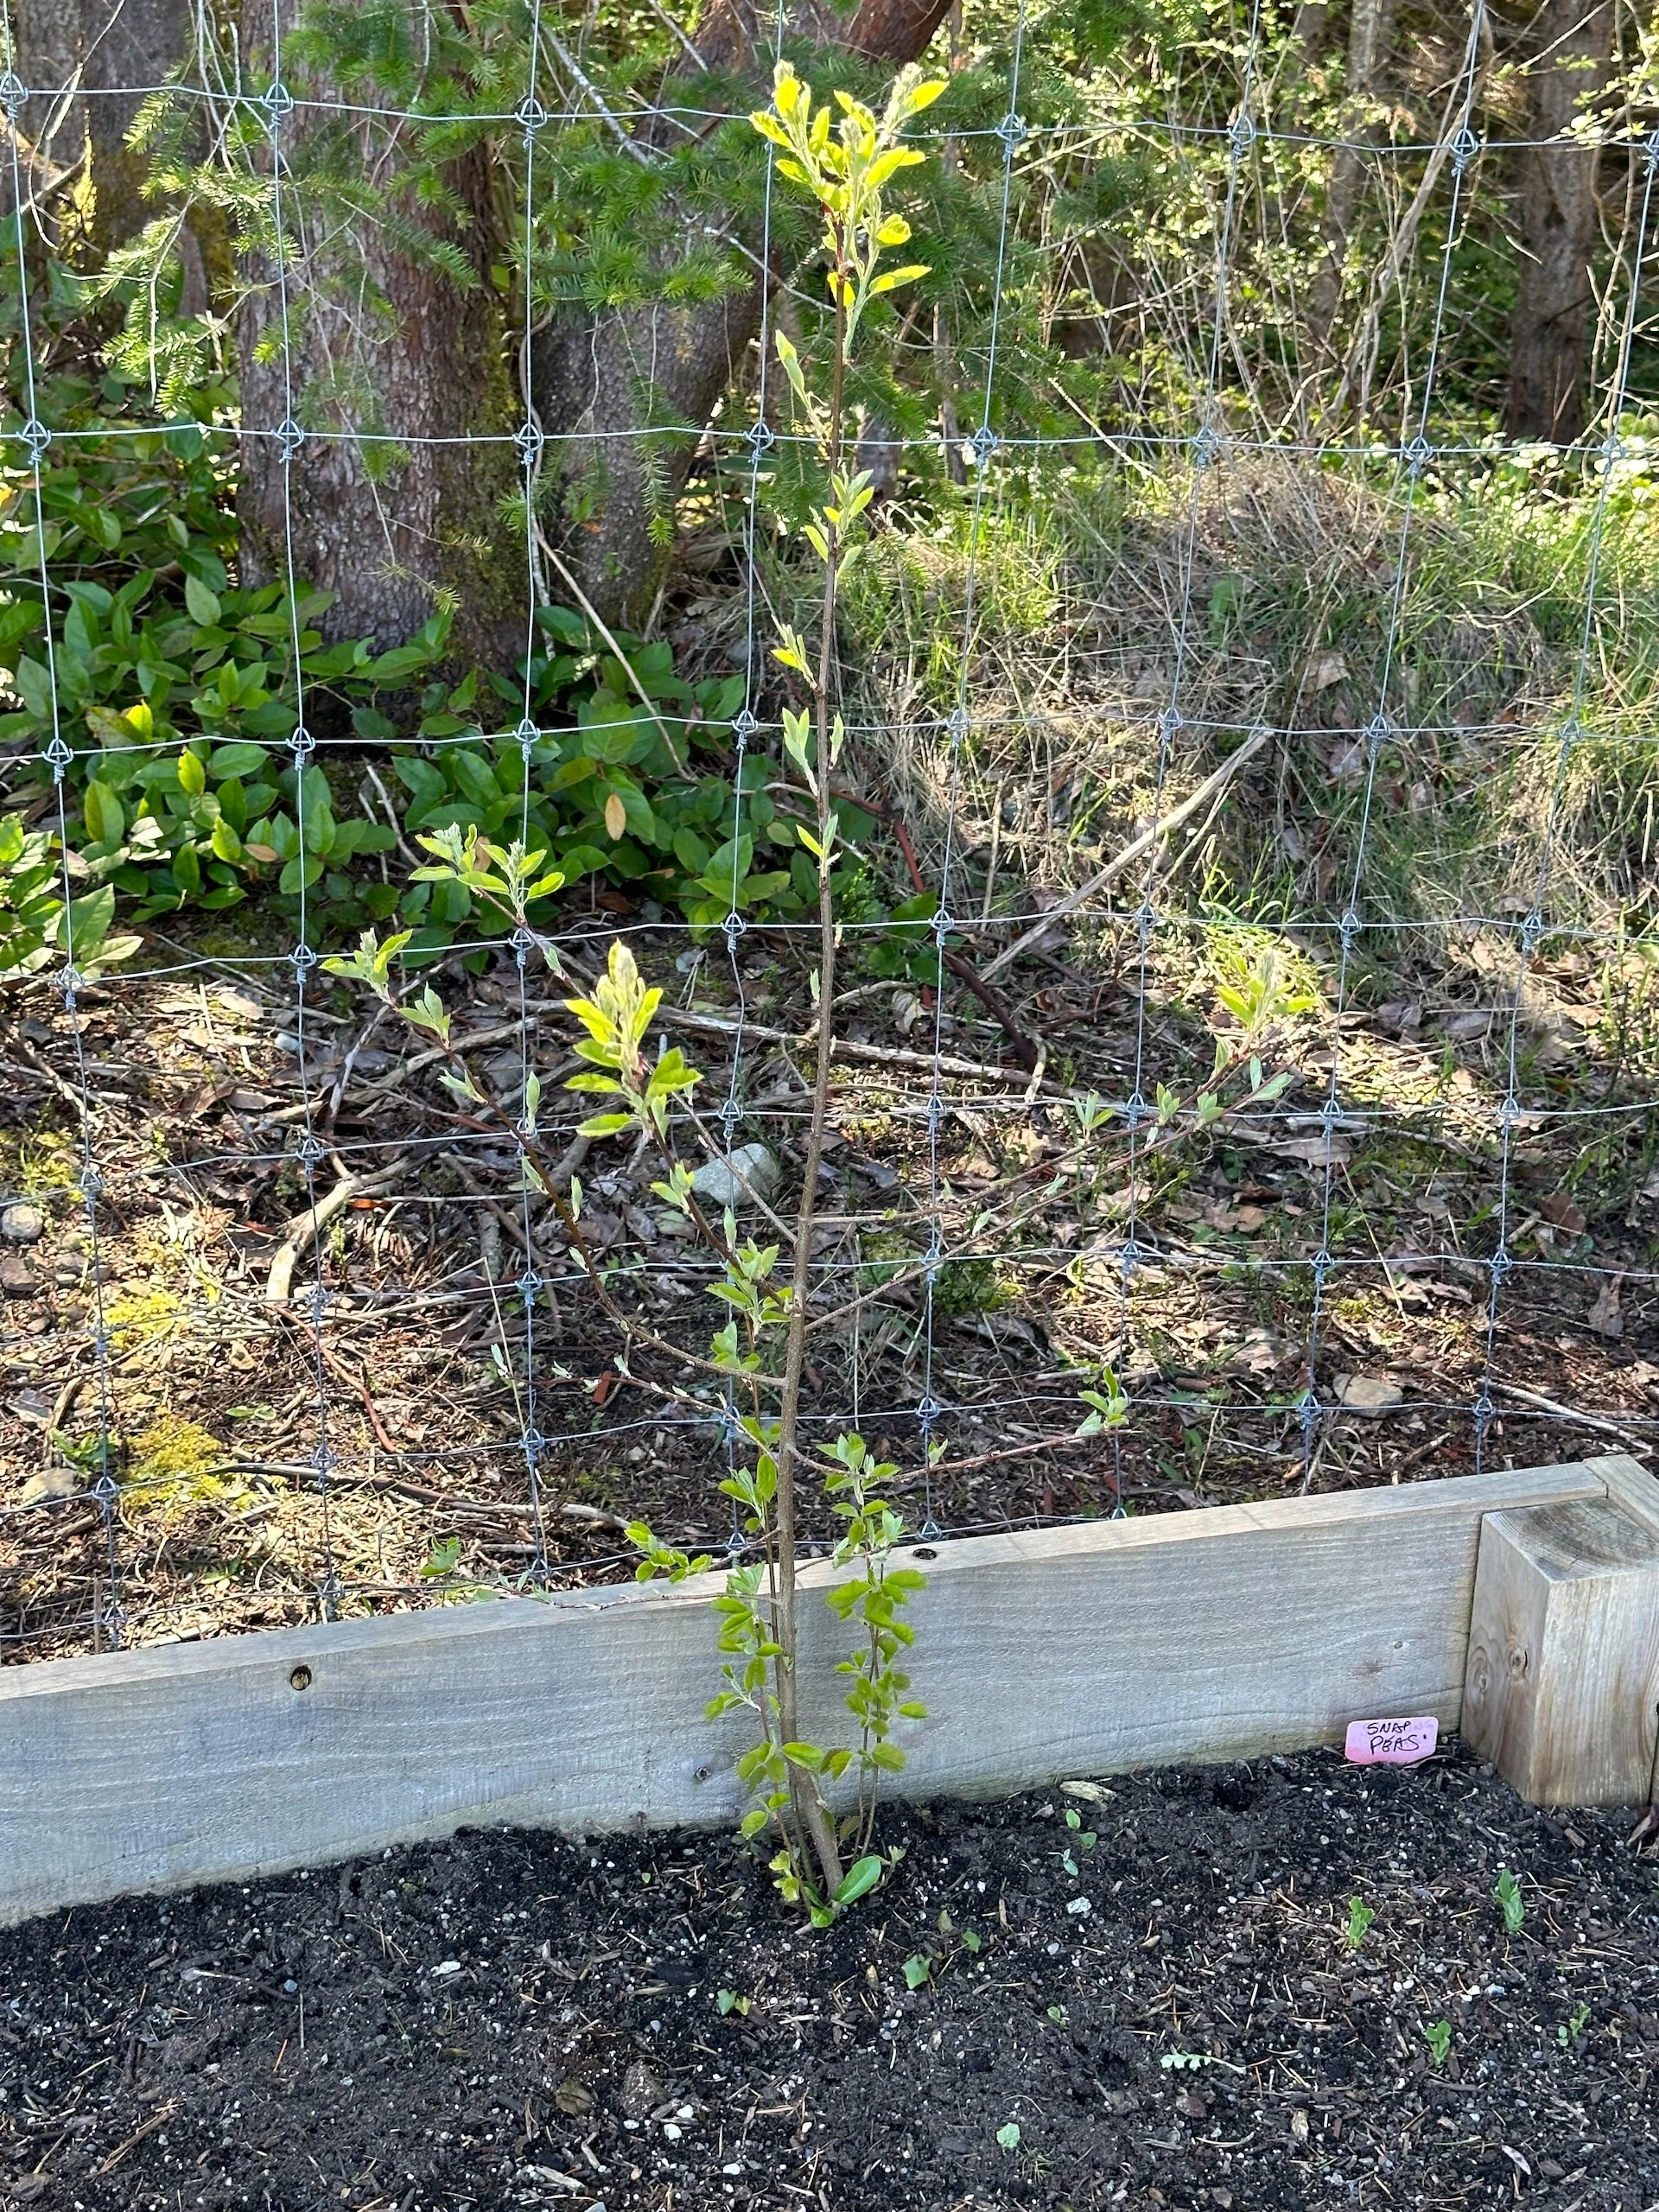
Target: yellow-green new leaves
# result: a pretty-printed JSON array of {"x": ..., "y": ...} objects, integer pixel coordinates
[
  {"x": 370, "y": 964},
  {"x": 797, "y": 743},
  {"x": 791, "y": 650},
  {"x": 791, "y": 361},
  {"x": 617, "y": 1018},
  {"x": 1110, "y": 1405},
  {"x": 845, "y": 169},
  {"x": 505, "y": 875},
  {"x": 890, "y": 279}
]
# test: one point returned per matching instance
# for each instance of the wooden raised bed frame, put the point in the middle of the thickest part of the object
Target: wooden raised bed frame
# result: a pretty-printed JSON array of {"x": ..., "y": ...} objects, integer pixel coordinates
[{"x": 1217, "y": 1634}]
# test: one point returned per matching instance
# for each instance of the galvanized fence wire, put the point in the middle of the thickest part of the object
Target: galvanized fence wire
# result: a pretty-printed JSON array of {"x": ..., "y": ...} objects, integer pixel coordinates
[
  {"x": 1204, "y": 453},
  {"x": 1464, "y": 149},
  {"x": 917, "y": 1081},
  {"x": 1532, "y": 931},
  {"x": 529, "y": 1285},
  {"x": 108, "y": 1620},
  {"x": 760, "y": 438},
  {"x": 277, "y": 107},
  {"x": 1180, "y": 129},
  {"x": 983, "y": 444}
]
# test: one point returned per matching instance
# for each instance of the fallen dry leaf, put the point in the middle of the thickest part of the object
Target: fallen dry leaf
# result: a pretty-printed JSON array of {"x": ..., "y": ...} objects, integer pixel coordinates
[
  {"x": 1316, "y": 1152},
  {"x": 1604, "y": 1316},
  {"x": 1559, "y": 1209}
]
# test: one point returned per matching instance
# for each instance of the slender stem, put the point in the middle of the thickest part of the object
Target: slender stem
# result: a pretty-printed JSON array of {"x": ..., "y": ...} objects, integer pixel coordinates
[{"x": 808, "y": 1798}]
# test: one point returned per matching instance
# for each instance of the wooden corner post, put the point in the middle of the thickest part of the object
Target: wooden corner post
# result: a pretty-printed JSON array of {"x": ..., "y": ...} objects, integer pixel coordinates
[{"x": 1563, "y": 1690}]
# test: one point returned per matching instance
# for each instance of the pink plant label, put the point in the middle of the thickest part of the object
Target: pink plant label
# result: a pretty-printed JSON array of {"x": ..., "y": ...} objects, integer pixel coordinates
[{"x": 1391, "y": 1743}]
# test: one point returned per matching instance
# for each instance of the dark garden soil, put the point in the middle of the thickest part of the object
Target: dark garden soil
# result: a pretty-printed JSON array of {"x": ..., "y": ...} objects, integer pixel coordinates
[{"x": 513, "y": 2020}]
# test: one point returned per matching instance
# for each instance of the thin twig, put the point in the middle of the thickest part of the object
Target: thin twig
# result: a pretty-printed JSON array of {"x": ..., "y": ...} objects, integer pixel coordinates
[
  {"x": 1132, "y": 852},
  {"x": 306, "y": 1227},
  {"x": 1625, "y": 1430}
]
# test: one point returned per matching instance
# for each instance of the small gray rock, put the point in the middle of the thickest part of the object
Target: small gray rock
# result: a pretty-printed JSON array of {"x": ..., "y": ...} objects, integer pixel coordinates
[
  {"x": 641, "y": 2091},
  {"x": 21, "y": 1223},
  {"x": 51, "y": 1483},
  {"x": 721, "y": 1183},
  {"x": 16, "y": 1280}
]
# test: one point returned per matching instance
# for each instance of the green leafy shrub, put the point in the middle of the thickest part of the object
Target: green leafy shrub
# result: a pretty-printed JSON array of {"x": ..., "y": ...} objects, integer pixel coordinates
[
  {"x": 201, "y": 827},
  {"x": 172, "y": 685},
  {"x": 630, "y": 779},
  {"x": 36, "y": 929},
  {"x": 176, "y": 690}
]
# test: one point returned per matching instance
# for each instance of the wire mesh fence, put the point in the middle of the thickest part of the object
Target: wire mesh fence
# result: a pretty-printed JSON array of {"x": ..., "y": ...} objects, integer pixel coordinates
[{"x": 1219, "y": 674}]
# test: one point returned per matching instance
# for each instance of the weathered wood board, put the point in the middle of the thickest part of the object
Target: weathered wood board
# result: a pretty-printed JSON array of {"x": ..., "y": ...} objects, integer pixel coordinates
[
  {"x": 1214, "y": 1634},
  {"x": 1563, "y": 1691}
]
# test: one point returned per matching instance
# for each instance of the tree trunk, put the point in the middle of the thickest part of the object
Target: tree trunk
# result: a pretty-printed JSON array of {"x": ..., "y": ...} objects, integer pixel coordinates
[
  {"x": 117, "y": 50},
  {"x": 599, "y": 380},
  {"x": 1370, "y": 31},
  {"x": 386, "y": 359},
  {"x": 1550, "y": 334}
]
